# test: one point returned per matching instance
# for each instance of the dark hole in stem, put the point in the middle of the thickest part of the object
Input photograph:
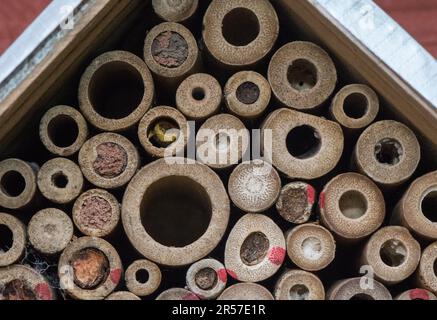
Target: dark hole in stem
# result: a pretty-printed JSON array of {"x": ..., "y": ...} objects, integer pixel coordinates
[
  {"x": 240, "y": 27},
  {"x": 163, "y": 132},
  {"x": 362, "y": 296},
  {"x": 60, "y": 180},
  {"x": 176, "y": 211},
  {"x": 63, "y": 131},
  {"x": 393, "y": 253},
  {"x": 6, "y": 238},
  {"x": 303, "y": 142},
  {"x": 299, "y": 292},
  {"x": 13, "y": 183},
  {"x": 355, "y": 105},
  {"x": 248, "y": 93},
  {"x": 116, "y": 90},
  {"x": 353, "y": 204},
  {"x": 302, "y": 75},
  {"x": 429, "y": 206},
  {"x": 388, "y": 151},
  {"x": 198, "y": 94},
  {"x": 142, "y": 276}
]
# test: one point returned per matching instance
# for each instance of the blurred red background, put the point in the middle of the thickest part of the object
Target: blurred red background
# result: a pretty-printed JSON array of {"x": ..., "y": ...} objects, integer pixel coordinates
[{"x": 418, "y": 17}]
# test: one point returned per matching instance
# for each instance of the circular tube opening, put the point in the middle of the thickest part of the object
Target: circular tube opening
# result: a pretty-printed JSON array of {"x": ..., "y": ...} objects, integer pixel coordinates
[
  {"x": 6, "y": 238},
  {"x": 312, "y": 248},
  {"x": 13, "y": 183},
  {"x": 303, "y": 142},
  {"x": 60, "y": 180},
  {"x": 63, "y": 131},
  {"x": 248, "y": 93},
  {"x": 95, "y": 213},
  {"x": 302, "y": 75},
  {"x": 435, "y": 267},
  {"x": 111, "y": 160},
  {"x": 206, "y": 278},
  {"x": 299, "y": 292},
  {"x": 355, "y": 105},
  {"x": 163, "y": 132},
  {"x": 240, "y": 27},
  {"x": 429, "y": 206},
  {"x": 393, "y": 253},
  {"x": 361, "y": 296},
  {"x": 176, "y": 211},
  {"x": 142, "y": 276},
  {"x": 90, "y": 268},
  {"x": 254, "y": 248},
  {"x": 353, "y": 204},
  {"x": 198, "y": 94},
  {"x": 116, "y": 89},
  {"x": 388, "y": 151},
  {"x": 18, "y": 290}
]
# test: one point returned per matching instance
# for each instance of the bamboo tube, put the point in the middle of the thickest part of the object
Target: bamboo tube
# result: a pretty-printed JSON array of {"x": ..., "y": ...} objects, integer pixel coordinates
[
  {"x": 246, "y": 291},
  {"x": 13, "y": 239},
  {"x": 224, "y": 138},
  {"x": 426, "y": 274},
  {"x": 355, "y": 107},
  {"x": 254, "y": 186},
  {"x": 18, "y": 282},
  {"x": 351, "y": 206},
  {"x": 164, "y": 132},
  {"x": 171, "y": 53},
  {"x": 177, "y": 294},
  {"x": 302, "y": 75},
  {"x": 89, "y": 269},
  {"x": 299, "y": 285},
  {"x": 296, "y": 201},
  {"x": 255, "y": 249},
  {"x": 388, "y": 152},
  {"x": 303, "y": 146},
  {"x": 199, "y": 96},
  {"x": 352, "y": 289},
  {"x": 17, "y": 184},
  {"x": 116, "y": 91},
  {"x": 50, "y": 231},
  {"x": 108, "y": 160},
  {"x": 416, "y": 294},
  {"x": 175, "y": 10},
  {"x": 122, "y": 295},
  {"x": 186, "y": 197},
  {"x": 417, "y": 208},
  {"x": 60, "y": 180},
  {"x": 240, "y": 33},
  {"x": 96, "y": 213},
  {"x": 63, "y": 130},
  {"x": 143, "y": 278},
  {"x": 247, "y": 94},
  {"x": 310, "y": 246},
  {"x": 392, "y": 253},
  {"x": 207, "y": 278}
]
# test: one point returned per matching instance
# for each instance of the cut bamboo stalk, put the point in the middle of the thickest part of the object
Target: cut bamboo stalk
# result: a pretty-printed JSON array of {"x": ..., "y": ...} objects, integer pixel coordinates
[
  {"x": 299, "y": 285},
  {"x": 247, "y": 94},
  {"x": 351, "y": 206},
  {"x": 207, "y": 278},
  {"x": 302, "y": 75},
  {"x": 426, "y": 274},
  {"x": 352, "y": 289},
  {"x": 199, "y": 96},
  {"x": 240, "y": 33},
  {"x": 186, "y": 197},
  {"x": 310, "y": 246},
  {"x": 416, "y": 294},
  {"x": 116, "y": 91},
  {"x": 254, "y": 186},
  {"x": 177, "y": 294},
  {"x": 17, "y": 184},
  {"x": 20, "y": 282},
  {"x": 60, "y": 180},
  {"x": 246, "y": 291},
  {"x": 50, "y": 231},
  {"x": 303, "y": 146},
  {"x": 63, "y": 130},
  {"x": 388, "y": 152},
  {"x": 392, "y": 253},
  {"x": 255, "y": 249},
  {"x": 108, "y": 160},
  {"x": 175, "y": 10},
  {"x": 89, "y": 269},
  {"x": 143, "y": 277},
  {"x": 296, "y": 201},
  {"x": 164, "y": 132},
  {"x": 13, "y": 239},
  {"x": 417, "y": 209}
]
